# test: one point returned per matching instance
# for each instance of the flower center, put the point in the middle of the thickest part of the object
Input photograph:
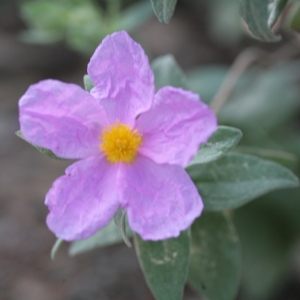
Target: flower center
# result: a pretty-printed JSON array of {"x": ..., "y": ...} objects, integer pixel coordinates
[{"x": 120, "y": 143}]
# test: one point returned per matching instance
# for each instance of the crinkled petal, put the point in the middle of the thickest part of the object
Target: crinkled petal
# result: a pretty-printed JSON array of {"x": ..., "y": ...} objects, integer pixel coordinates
[
  {"x": 161, "y": 199},
  {"x": 83, "y": 200},
  {"x": 63, "y": 118},
  {"x": 123, "y": 78},
  {"x": 175, "y": 127}
]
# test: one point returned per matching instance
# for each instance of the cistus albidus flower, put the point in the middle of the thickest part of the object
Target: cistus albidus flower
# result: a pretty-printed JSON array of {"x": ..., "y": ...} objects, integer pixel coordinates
[{"x": 132, "y": 145}]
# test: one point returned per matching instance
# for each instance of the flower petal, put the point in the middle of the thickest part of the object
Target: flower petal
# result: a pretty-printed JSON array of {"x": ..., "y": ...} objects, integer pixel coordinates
[
  {"x": 161, "y": 199},
  {"x": 123, "y": 77},
  {"x": 83, "y": 200},
  {"x": 176, "y": 125},
  {"x": 63, "y": 118}
]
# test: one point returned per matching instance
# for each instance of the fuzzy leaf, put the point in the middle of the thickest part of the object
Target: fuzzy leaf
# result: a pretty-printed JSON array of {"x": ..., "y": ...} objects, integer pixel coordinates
[
  {"x": 40, "y": 149},
  {"x": 120, "y": 222},
  {"x": 164, "y": 9},
  {"x": 167, "y": 72},
  {"x": 223, "y": 140},
  {"x": 260, "y": 16},
  {"x": 283, "y": 158},
  {"x": 236, "y": 179},
  {"x": 55, "y": 248},
  {"x": 215, "y": 257},
  {"x": 88, "y": 83},
  {"x": 275, "y": 9},
  {"x": 106, "y": 236},
  {"x": 165, "y": 265}
]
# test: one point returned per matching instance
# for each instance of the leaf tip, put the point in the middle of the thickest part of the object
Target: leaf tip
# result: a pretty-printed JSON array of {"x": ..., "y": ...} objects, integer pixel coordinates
[{"x": 55, "y": 248}]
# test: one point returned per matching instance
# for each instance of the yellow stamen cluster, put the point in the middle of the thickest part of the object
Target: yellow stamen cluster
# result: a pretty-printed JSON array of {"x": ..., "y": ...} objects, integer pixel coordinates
[{"x": 120, "y": 143}]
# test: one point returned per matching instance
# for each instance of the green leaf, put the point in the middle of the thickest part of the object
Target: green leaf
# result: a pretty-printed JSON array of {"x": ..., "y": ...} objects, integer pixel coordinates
[
  {"x": 223, "y": 140},
  {"x": 260, "y": 16},
  {"x": 167, "y": 72},
  {"x": 88, "y": 83},
  {"x": 120, "y": 222},
  {"x": 165, "y": 265},
  {"x": 80, "y": 23},
  {"x": 267, "y": 243},
  {"x": 106, "y": 236},
  {"x": 215, "y": 257},
  {"x": 45, "y": 14},
  {"x": 40, "y": 149},
  {"x": 164, "y": 9},
  {"x": 286, "y": 159},
  {"x": 86, "y": 27},
  {"x": 236, "y": 179},
  {"x": 55, "y": 248}
]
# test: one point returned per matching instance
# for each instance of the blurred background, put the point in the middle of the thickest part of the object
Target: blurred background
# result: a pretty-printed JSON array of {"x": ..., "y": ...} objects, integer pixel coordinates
[{"x": 54, "y": 39}]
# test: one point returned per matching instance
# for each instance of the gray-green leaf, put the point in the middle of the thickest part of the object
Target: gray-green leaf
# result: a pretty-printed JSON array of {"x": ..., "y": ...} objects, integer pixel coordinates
[
  {"x": 56, "y": 247},
  {"x": 40, "y": 149},
  {"x": 167, "y": 72},
  {"x": 165, "y": 265},
  {"x": 260, "y": 16},
  {"x": 88, "y": 83},
  {"x": 164, "y": 9},
  {"x": 286, "y": 159},
  {"x": 236, "y": 179},
  {"x": 223, "y": 140},
  {"x": 120, "y": 222},
  {"x": 106, "y": 236},
  {"x": 215, "y": 257}
]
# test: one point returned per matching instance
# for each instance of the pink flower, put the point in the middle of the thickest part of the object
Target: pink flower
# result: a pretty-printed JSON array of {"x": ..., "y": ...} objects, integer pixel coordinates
[{"x": 132, "y": 145}]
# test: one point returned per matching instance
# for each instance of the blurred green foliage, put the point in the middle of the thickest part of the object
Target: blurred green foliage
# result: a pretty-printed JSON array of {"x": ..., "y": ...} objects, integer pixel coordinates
[{"x": 81, "y": 23}]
